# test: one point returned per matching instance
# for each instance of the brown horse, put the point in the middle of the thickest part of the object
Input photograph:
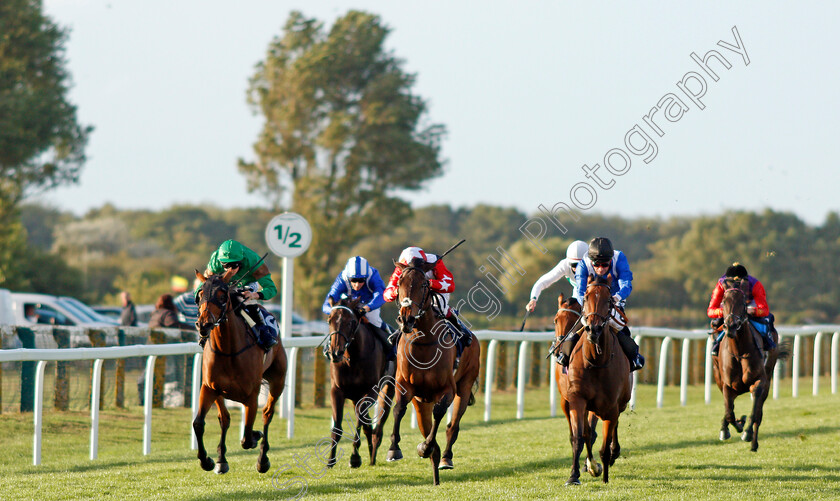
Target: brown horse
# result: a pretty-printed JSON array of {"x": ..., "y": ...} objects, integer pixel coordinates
[
  {"x": 740, "y": 365},
  {"x": 425, "y": 358},
  {"x": 233, "y": 367},
  {"x": 356, "y": 373},
  {"x": 598, "y": 381}
]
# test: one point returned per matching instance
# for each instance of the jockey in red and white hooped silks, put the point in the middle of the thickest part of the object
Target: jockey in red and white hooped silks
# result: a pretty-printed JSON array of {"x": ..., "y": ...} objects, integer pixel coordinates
[{"x": 441, "y": 282}]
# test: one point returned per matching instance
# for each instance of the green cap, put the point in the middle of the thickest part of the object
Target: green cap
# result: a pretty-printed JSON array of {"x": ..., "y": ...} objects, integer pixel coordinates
[{"x": 230, "y": 251}]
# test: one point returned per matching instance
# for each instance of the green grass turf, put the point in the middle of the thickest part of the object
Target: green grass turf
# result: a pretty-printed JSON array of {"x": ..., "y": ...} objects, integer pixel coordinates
[{"x": 669, "y": 453}]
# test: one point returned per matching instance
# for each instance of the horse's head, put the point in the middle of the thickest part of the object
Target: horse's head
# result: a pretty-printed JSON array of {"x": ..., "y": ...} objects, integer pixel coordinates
[
  {"x": 734, "y": 305},
  {"x": 597, "y": 303},
  {"x": 344, "y": 322},
  {"x": 568, "y": 314},
  {"x": 413, "y": 293},
  {"x": 213, "y": 300}
]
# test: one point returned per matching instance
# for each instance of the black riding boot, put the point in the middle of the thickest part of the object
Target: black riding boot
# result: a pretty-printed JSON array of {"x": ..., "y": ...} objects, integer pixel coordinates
[
  {"x": 564, "y": 354},
  {"x": 630, "y": 349},
  {"x": 463, "y": 337}
]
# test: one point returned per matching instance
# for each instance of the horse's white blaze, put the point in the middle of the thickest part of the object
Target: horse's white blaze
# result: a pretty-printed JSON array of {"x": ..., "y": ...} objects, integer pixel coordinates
[{"x": 406, "y": 302}]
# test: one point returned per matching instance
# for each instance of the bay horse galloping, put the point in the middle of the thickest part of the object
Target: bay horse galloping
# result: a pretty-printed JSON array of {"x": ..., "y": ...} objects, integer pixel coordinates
[
  {"x": 356, "y": 373},
  {"x": 425, "y": 359},
  {"x": 597, "y": 381},
  {"x": 740, "y": 365},
  {"x": 233, "y": 367}
]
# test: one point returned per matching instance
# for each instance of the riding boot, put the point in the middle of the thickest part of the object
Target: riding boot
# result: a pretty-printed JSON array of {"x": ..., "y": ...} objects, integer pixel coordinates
[
  {"x": 769, "y": 343},
  {"x": 564, "y": 354},
  {"x": 716, "y": 333},
  {"x": 266, "y": 336},
  {"x": 630, "y": 349},
  {"x": 463, "y": 336}
]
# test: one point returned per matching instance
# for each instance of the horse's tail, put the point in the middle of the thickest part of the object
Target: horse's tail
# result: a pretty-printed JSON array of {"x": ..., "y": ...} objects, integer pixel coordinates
[{"x": 784, "y": 351}]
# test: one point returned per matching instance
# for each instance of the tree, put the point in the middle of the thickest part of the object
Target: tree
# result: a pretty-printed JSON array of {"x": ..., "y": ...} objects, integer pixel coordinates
[
  {"x": 41, "y": 143},
  {"x": 343, "y": 133}
]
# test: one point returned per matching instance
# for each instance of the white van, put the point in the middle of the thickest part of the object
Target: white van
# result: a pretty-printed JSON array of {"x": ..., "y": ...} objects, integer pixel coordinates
[
  {"x": 30, "y": 308},
  {"x": 7, "y": 314}
]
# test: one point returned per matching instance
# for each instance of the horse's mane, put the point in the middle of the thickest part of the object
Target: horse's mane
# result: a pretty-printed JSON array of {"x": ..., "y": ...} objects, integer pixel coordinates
[
  {"x": 571, "y": 301},
  {"x": 351, "y": 303}
]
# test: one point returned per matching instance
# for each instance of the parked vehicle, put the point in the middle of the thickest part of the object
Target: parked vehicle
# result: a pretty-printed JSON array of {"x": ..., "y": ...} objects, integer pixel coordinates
[
  {"x": 7, "y": 314},
  {"x": 55, "y": 310}
]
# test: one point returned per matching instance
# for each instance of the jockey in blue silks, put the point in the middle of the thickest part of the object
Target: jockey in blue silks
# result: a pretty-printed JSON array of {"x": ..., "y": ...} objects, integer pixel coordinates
[
  {"x": 359, "y": 280},
  {"x": 602, "y": 260}
]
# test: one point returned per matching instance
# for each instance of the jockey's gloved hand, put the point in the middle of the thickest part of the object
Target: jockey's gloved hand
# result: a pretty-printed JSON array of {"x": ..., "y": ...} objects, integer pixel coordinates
[{"x": 716, "y": 322}]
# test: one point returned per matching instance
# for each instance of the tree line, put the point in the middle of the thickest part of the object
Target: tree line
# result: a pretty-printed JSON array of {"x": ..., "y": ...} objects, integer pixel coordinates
[{"x": 675, "y": 261}]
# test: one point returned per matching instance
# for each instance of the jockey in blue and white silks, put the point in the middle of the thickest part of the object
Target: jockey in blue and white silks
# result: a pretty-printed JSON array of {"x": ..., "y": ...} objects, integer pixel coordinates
[
  {"x": 602, "y": 260},
  {"x": 619, "y": 268},
  {"x": 359, "y": 280}
]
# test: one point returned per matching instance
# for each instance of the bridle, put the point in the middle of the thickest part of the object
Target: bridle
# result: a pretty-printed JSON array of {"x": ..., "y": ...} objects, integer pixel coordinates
[
  {"x": 407, "y": 302},
  {"x": 214, "y": 300},
  {"x": 349, "y": 339},
  {"x": 738, "y": 319},
  {"x": 577, "y": 322},
  {"x": 603, "y": 318}
]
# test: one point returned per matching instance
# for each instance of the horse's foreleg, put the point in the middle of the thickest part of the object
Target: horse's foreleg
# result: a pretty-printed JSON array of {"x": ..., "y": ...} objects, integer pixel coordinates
[
  {"x": 577, "y": 422},
  {"x": 337, "y": 398},
  {"x": 591, "y": 465},
  {"x": 205, "y": 400},
  {"x": 383, "y": 403},
  {"x": 606, "y": 449},
  {"x": 728, "y": 413},
  {"x": 452, "y": 430},
  {"x": 400, "y": 406},
  {"x": 429, "y": 447},
  {"x": 355, "y": 458},
  {"x": 760, "y": 391},
  {"x": 224, "y": 423}
]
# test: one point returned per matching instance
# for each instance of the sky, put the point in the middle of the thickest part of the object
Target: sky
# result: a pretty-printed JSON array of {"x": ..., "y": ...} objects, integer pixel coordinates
[{"x": 529, "y": 91}]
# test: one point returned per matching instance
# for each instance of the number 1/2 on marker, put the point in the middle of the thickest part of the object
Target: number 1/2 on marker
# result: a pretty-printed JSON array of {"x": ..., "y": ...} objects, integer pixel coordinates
[{"x": 280, "y": 234}]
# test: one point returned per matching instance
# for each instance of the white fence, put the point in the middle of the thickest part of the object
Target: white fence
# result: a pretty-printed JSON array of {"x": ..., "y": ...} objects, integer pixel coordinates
[{"x": 294, "y": 344}]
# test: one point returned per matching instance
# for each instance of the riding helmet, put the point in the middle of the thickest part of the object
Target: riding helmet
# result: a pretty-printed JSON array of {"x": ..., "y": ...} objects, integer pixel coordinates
[
  {"x": 230, "y": 251},
  {"x": 357, "y": 267},
  {"x": 600, "y": 249},
  {"x": 576, "y": 250},
  {"x": 737, "y": 270}
]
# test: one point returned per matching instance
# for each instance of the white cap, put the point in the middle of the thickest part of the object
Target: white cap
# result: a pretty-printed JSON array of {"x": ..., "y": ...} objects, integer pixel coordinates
[{"x": 577, "y": 250}]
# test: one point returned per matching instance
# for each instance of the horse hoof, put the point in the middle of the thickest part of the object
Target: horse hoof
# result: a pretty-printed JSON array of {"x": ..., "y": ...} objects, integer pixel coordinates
[
  {"x": 573, "y": 481},
  {"x": 724, "y": 435},
  {"x": 263, "y": 466},
  {"x": 394, "y": 455},
  {"x": 207, "y": 464},
  {"x": 594, "y": 468},
  {"x": 424, "y": 450},
  {"x": 754, "y": 449},
  {"x": 746, "y": 436},
  {"x": 221, "y": 468},
  {"x": 355, "y": 461},
  {"x": 445, "y": 464}
]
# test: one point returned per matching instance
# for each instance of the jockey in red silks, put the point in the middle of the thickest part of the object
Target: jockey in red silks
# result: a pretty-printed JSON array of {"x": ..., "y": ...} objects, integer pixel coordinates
[
  {"x": 442, "y": 283},
  {"x": 757, "y": 309}
]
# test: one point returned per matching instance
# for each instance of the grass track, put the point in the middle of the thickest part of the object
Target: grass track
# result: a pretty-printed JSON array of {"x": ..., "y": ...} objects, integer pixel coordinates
[{"x": 670, "y": 453}]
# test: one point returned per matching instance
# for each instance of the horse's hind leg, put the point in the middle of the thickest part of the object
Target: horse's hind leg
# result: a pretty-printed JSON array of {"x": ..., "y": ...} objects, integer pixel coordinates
[
  {"x": 224, "y": 422},
  {"x": 205, "y": 400},
  {"x": 275, "y": 389},
  {"x": 251, "y": 438}
]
